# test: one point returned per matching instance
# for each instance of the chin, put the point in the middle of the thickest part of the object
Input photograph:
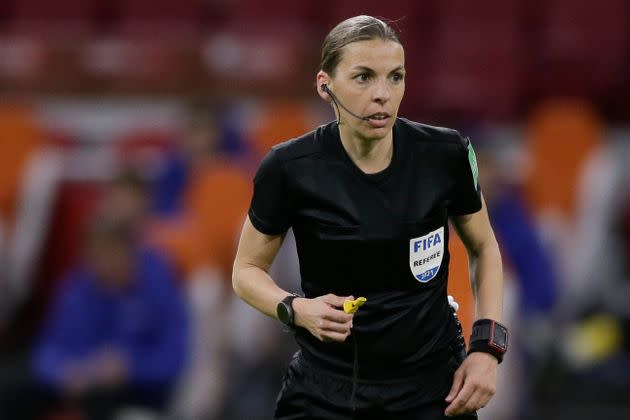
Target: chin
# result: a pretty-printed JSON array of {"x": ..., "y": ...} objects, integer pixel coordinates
[{"x": 376, "y": 133}]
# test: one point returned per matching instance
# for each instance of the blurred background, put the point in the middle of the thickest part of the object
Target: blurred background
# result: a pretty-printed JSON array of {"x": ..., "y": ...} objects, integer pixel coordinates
[{"x": 129, "y": 134}]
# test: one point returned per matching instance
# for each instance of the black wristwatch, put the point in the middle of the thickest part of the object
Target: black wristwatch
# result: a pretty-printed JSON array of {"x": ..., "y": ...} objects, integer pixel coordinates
[
  {"x": 489, "y": 336},
  {"x": 285, "y": 312}
]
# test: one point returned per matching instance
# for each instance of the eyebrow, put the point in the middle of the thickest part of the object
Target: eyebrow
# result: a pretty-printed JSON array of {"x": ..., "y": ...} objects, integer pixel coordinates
[{"x": 369, "y": 70}]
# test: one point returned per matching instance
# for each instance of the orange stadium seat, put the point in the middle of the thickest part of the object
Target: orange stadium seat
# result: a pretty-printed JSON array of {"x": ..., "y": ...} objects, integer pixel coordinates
[
  {"x": 219, "y": 199},
  {"x": 20, "y": 136},
  {"x": 279, "y": 121},
  {"x": 459, "y": 283},
  {"x": 216, "y": 204},
  {"x": 559, "y": 136}
]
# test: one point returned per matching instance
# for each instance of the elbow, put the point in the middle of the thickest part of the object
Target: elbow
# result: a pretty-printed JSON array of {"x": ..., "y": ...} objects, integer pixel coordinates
[
  {"x": 237, "y": 279},
  {"x": 235, "y": 282}
]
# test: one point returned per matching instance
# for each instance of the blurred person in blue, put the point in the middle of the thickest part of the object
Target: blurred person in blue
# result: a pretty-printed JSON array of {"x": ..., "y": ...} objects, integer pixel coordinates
[
  {"x": 128, "y": 198},
  {"x": 200, "y": 391},
  {"x": 116, "y": 334},
  {"x": 197, "y": 144},
  {"x": 205, "y": 136},
  {"x": 520, "y": 242},
  {"x": 530, "y": 280}
]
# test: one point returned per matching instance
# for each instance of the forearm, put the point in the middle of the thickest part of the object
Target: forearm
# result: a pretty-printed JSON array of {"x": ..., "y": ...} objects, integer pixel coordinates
[
  {"x": 257, "y": 288},
  {"x": 487, "y": 281}
]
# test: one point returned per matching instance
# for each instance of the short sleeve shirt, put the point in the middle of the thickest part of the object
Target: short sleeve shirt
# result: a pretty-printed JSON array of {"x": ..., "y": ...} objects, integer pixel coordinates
[{"x": 383, "y": 236}]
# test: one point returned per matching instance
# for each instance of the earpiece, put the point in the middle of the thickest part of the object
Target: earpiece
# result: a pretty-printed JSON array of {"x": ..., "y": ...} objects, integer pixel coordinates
[{"x": 324, "y": 88}]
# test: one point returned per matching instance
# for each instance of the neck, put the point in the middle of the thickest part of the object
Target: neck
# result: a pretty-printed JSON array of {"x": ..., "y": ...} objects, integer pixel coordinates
[{"x": 370, "y": 155}]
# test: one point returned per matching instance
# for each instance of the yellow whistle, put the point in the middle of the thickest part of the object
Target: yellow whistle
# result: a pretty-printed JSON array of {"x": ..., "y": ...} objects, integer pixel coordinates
[{"x": 351, "y": 306}]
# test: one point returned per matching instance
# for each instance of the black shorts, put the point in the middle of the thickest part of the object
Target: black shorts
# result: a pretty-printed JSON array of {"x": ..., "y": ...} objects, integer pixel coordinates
[{"x": 309, "y": 392}]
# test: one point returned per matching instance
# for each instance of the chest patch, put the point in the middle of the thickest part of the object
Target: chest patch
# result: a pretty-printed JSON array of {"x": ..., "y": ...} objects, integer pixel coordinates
[{"x": 425, "y": 255}]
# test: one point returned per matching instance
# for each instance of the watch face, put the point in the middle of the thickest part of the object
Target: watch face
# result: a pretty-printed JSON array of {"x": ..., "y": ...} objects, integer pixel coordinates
[
  {"x": 283, "y": 313},
  {"x": 499, "y": 337}
]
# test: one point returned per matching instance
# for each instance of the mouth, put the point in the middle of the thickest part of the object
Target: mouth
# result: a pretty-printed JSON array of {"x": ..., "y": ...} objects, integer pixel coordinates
[
  {"x": 379, "y": 119},
  {"x": 379, "y": 116}
]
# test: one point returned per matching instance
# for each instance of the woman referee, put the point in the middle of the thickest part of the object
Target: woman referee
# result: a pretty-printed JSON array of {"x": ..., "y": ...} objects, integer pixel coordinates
[{"x": 369, "y": 197}]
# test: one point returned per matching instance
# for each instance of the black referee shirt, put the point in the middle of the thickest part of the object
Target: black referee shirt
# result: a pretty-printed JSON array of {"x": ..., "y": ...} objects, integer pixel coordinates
[{"x": 383, "y": 236}]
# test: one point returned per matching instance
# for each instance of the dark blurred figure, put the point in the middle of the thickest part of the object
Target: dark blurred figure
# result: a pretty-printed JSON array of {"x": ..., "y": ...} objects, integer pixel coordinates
[
  {"x": 208, "y": 135},
  {"x": 197, "y": 146},
  {"x": 530, "y": 282},
  {"x": 116, "y": 334},
  {"x": 127, "y": 197}
]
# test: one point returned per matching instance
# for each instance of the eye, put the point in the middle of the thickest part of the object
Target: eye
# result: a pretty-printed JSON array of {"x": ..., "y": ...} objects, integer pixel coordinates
[
  {"x": 362, "y": 77},
  {"x": 398, "y": 77}
]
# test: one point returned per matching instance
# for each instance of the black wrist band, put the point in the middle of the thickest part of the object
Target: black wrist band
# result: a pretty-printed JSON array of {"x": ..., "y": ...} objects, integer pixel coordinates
[
  {"x": 483, "y": 347},
  {"x": 489, "y": 336}
]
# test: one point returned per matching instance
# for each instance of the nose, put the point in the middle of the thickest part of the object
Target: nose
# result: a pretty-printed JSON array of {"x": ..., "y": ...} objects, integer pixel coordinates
[{"x": 381, "y": 93}]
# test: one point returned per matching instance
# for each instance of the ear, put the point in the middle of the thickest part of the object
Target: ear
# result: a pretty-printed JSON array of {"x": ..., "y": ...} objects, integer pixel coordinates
[{"x": 320, "y": 79}]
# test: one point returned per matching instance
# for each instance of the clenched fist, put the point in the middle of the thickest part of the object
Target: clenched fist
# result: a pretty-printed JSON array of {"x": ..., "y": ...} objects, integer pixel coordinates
[{"x": 324, "y": 317}]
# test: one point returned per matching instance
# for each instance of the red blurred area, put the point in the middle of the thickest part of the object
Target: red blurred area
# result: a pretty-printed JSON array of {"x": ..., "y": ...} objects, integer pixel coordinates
[{"x": 487, "y": 58}]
